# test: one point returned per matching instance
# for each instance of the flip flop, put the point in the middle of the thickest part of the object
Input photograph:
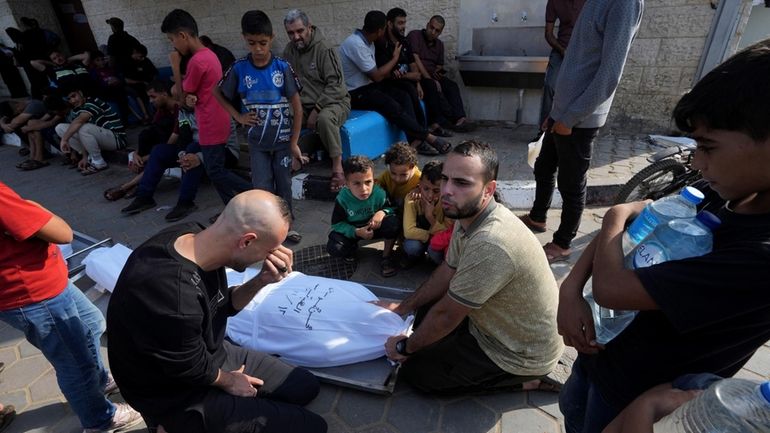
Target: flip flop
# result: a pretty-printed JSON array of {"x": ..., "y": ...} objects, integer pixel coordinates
[
  {"x": 22, "y": 163},
  {"x": 337, "y": 181},
  {"x": 32, "y": 164},
  {"x": 294, "y": 236},
  {"x": 441, "y": 132},
  {"x": 425, "y": 149},
  {"x": 92, "y": 169},
  {"x": 441, "y": 145}
]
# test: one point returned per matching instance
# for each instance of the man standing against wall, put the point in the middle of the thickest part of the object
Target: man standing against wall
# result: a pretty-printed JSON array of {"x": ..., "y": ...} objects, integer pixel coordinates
[
  {"x": 325, "y": 99},
  {"x": 584, "y": 91},
  {"x": 566, "y": 12}
]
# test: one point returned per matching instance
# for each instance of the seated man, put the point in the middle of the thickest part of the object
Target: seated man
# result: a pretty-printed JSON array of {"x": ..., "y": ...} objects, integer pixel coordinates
[
  {"x": 182, "y": 149},
  {"x": 363, "y": 79},
  {"x": 95, "y": 127},
  {"x": 706, "y": 314},
  {"x": 429, "y": 51},
  {"x": 65, "y": 74},
  {"x": 325, "y": 99},
  {"x": 486, "y": 317},
  {"x": 15, "y": 115},
  {"x": 174, "y": 365},
  {"x": 139, "y": 72}
]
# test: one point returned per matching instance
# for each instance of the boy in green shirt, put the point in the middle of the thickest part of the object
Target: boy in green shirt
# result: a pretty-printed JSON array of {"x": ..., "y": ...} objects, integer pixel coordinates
[{"x": 362, "y": 211}]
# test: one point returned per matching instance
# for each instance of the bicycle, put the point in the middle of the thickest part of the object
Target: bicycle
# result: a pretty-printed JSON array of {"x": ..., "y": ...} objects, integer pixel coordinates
[{"x": 670, "y": 171}]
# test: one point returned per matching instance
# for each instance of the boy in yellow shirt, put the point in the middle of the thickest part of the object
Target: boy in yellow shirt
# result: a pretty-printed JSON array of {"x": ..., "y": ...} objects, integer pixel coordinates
[
  {"x": 424, "y": 216},
  {"x": 402, "y": 175}
]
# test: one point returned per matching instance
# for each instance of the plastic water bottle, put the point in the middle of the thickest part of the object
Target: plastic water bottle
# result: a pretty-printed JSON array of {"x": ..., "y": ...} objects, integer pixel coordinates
[
  {"x": 661, "y": 211},
  {"x": 676, "y": 240},
  {"x": 730, "y": 405}
]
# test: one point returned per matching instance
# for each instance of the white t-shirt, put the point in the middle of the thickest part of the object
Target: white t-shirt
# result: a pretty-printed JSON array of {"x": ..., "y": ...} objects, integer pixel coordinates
[{"x": 357, "y": 56}]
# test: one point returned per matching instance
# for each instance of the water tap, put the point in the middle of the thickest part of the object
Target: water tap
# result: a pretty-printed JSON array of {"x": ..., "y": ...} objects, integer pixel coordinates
[
  {"x": 494, "y": 17},
  {"x": 524, "y": 16}
]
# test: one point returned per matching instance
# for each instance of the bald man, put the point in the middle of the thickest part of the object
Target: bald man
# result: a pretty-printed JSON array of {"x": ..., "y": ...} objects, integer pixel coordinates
[{"x": 166, "y": 325}]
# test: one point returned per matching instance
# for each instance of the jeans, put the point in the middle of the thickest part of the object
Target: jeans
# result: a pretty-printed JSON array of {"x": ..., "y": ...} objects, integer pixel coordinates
[
  {"x": 584, "y": 409},
  {"x": 271, "y": 171},
  {"x": 67, "y": 329},
  {"x": 227, "y": 183},
  {"x": 164, "y": 156},
  {"x": 571, "y": 155},
  {"x": 551, "y": 74},
  {"x": 414, "y": 249}
]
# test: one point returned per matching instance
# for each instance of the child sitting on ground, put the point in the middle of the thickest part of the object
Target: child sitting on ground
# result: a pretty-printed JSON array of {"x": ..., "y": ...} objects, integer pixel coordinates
[
  {"x": 402, "y": 175},
  {"x": 424, "y": 216},
  {"x": 362, "y": 211}
]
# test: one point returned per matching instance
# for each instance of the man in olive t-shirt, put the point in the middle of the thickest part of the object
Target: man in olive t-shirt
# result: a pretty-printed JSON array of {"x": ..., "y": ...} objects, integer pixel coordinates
[{"x": 486, "y": 317}]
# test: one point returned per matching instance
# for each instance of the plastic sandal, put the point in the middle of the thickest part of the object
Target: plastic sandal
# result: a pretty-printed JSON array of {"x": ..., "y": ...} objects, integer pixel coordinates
[
  {"x": 32, "y": 164},
  {"x": 442, "y": 146},
  {"x": 337, "y": 181},
  {"x": 91, "y": 169},
  {"x": 114, "y": 193},
  {"x": 294, "y": 236}
]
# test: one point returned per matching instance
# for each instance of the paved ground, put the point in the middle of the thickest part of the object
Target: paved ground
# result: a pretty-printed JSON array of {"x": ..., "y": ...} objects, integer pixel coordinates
[{"x": 29, "y": 382}]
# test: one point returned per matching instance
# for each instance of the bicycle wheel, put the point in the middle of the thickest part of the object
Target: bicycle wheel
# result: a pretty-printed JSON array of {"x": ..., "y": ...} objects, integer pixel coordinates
[{"x": 653, "y": 182}]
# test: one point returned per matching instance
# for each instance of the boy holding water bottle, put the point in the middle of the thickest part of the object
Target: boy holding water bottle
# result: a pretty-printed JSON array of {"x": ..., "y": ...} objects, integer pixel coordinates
[{"x": 706, "y": 314}]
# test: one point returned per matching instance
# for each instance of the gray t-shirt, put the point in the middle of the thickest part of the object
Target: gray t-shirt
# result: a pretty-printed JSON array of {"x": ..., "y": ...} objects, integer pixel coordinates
[{"x": 357, "y": 56}]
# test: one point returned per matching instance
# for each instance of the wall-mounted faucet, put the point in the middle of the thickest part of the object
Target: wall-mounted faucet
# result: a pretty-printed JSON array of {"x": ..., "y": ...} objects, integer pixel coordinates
[
  {"x": 494, "y": 17},
  {"x": 524, "y": 16}
]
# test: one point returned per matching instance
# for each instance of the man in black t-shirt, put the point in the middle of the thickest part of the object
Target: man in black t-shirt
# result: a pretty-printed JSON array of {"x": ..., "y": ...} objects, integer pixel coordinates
[
  {"x": 120, "y": 44},
  {"x": 167, "y": 319},
  {"x": 705, "y": 314}
]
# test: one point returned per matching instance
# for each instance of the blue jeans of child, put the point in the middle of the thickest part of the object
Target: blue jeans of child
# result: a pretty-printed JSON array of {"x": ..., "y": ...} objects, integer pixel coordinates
[
  {"x": 67, "y": 329},
  {"x": 227, "y": 183},
  {"x": 271, "y": 171},
  {"x": 584, "y": 409},
  {"x": 415, "y": 249}
]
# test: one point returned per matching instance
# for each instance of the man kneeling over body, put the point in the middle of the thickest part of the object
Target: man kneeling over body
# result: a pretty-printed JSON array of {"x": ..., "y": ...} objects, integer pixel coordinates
[
  {"x": 166, "y": 326},
  {"x": 472, "y": 336}
]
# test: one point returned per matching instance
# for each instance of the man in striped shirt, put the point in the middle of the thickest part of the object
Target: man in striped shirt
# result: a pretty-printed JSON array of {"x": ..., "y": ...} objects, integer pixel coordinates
[{"x": 94, "y": 127}]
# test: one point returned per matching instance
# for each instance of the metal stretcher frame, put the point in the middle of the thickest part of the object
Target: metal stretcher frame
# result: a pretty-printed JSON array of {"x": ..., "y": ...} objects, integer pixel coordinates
[
  {"x": 82, "y": 244},
  {"x": 378, "y": 375}
]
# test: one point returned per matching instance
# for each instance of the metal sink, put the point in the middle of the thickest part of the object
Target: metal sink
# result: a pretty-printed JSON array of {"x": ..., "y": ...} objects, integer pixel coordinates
[{"x": 506, "y": 57}]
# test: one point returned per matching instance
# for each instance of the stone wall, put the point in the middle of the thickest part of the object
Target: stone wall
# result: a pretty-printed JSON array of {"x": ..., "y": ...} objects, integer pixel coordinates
[
  {"x": 221, "y": 20},
  {"x": 662, "y": 63}
]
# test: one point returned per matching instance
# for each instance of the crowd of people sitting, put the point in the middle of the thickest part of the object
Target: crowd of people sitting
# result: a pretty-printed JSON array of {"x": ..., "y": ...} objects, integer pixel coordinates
[{"x": 491, "y": 315}]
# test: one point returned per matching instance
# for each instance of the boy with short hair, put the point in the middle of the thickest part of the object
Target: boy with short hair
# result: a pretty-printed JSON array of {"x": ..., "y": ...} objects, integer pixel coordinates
[
  {"x": 362, "y": 211},
  {"x": 268, "y": 91},
  {"x": 203, "y": 72},
  {"x": 706, "y": 314},
  {"x": 424, "y": 216},
  {"x": 402, "y": 175}
]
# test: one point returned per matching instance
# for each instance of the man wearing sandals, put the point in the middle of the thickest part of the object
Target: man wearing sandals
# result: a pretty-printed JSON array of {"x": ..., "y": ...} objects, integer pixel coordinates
[
  {"x": 325, "y": 99},
  {"x": 486, "y": 317},
  {"x": 95, "y": 127}
]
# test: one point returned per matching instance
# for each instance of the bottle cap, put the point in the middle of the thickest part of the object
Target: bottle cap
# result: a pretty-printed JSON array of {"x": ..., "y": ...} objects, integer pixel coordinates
[
  {"x": 764, "y": 389},
  {"x": 692, "y": 195},
  {"x": 708, "y": 219}
]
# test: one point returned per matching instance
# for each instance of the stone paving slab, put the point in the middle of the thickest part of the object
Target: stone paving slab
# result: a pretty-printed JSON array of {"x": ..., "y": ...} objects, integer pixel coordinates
[{"x": 29, "y": 381}]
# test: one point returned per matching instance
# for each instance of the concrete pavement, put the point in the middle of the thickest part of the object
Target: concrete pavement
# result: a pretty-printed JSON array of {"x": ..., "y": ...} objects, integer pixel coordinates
[{"x": 29, "y": 381}]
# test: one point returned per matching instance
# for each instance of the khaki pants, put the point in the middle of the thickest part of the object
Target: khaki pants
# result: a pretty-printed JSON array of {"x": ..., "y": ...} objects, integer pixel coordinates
[
  {"x": 90, "y": 140},
  {"x": 330, "y": 120}
]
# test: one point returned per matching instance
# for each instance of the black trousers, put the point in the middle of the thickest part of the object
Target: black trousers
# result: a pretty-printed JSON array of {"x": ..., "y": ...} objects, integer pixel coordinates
[
  {"x": 372, "y": 97},
  {"x": 405, "y": 93},
  {"x": 456, "y": 365},
  {"x": 445, "y": 106},
  {"x": 340, "y": 245},
  {"x": 571, "y": 157},
  {"x": 276, "y": 409}
]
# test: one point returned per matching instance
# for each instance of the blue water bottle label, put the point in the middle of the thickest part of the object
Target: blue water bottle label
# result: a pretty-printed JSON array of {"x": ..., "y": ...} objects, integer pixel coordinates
[{"x": 648, "y": 254}]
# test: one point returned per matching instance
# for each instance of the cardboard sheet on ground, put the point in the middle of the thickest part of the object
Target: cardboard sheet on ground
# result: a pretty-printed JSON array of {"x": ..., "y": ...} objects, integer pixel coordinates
[{"x": 316, "y": 322}]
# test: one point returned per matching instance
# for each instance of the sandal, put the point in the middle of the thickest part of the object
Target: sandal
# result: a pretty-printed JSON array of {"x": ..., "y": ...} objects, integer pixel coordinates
[
  {"x": 114, "y": 193},
  {"x": 441, "y": 145},
  {"x": 294, "y": 236},
  {"x": 546, "y": 384},
  {"x": 555, "y": 253},
  {"x": 131, "y": 192},
  {"x": 337, "y": 181},
  {"x": 425, "y": 149},
  {"x": 441, "y": 132},
  {"x": 387, "y": 267},
  {"x": 19, "y": 165},
  {"x": 32, "y": 164},
  {"x": 92, "y": 169}
]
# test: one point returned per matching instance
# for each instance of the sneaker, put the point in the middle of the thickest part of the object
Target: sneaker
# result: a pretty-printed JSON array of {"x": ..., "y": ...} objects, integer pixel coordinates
[
  {"x": 180, "y": 211},
  {"x": 125, "y": 417},
  {"x": 139, "y": 204},
  {"x": 111, "y": 387}
]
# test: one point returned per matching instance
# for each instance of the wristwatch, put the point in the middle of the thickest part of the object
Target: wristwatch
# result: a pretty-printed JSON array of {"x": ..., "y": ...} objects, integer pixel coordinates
[{"x": 401, "y": 347}]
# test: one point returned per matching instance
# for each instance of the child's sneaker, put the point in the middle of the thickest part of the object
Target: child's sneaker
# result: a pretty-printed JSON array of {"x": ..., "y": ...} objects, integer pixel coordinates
[
  {"x": 111, "y": 387},
  {"x": 125, "y": 417}
]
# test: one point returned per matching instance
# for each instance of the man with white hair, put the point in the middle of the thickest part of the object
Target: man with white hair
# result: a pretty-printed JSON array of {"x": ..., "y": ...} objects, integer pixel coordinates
[
  {"x": 167, "y": 319},
  {"x": 325, "y": 98}
]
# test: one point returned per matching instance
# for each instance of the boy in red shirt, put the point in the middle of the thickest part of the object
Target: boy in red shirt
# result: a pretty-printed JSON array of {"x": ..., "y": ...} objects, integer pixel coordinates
[
  {"x": 202, "y": 74},
  {"x": 37, "y": 298}
]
